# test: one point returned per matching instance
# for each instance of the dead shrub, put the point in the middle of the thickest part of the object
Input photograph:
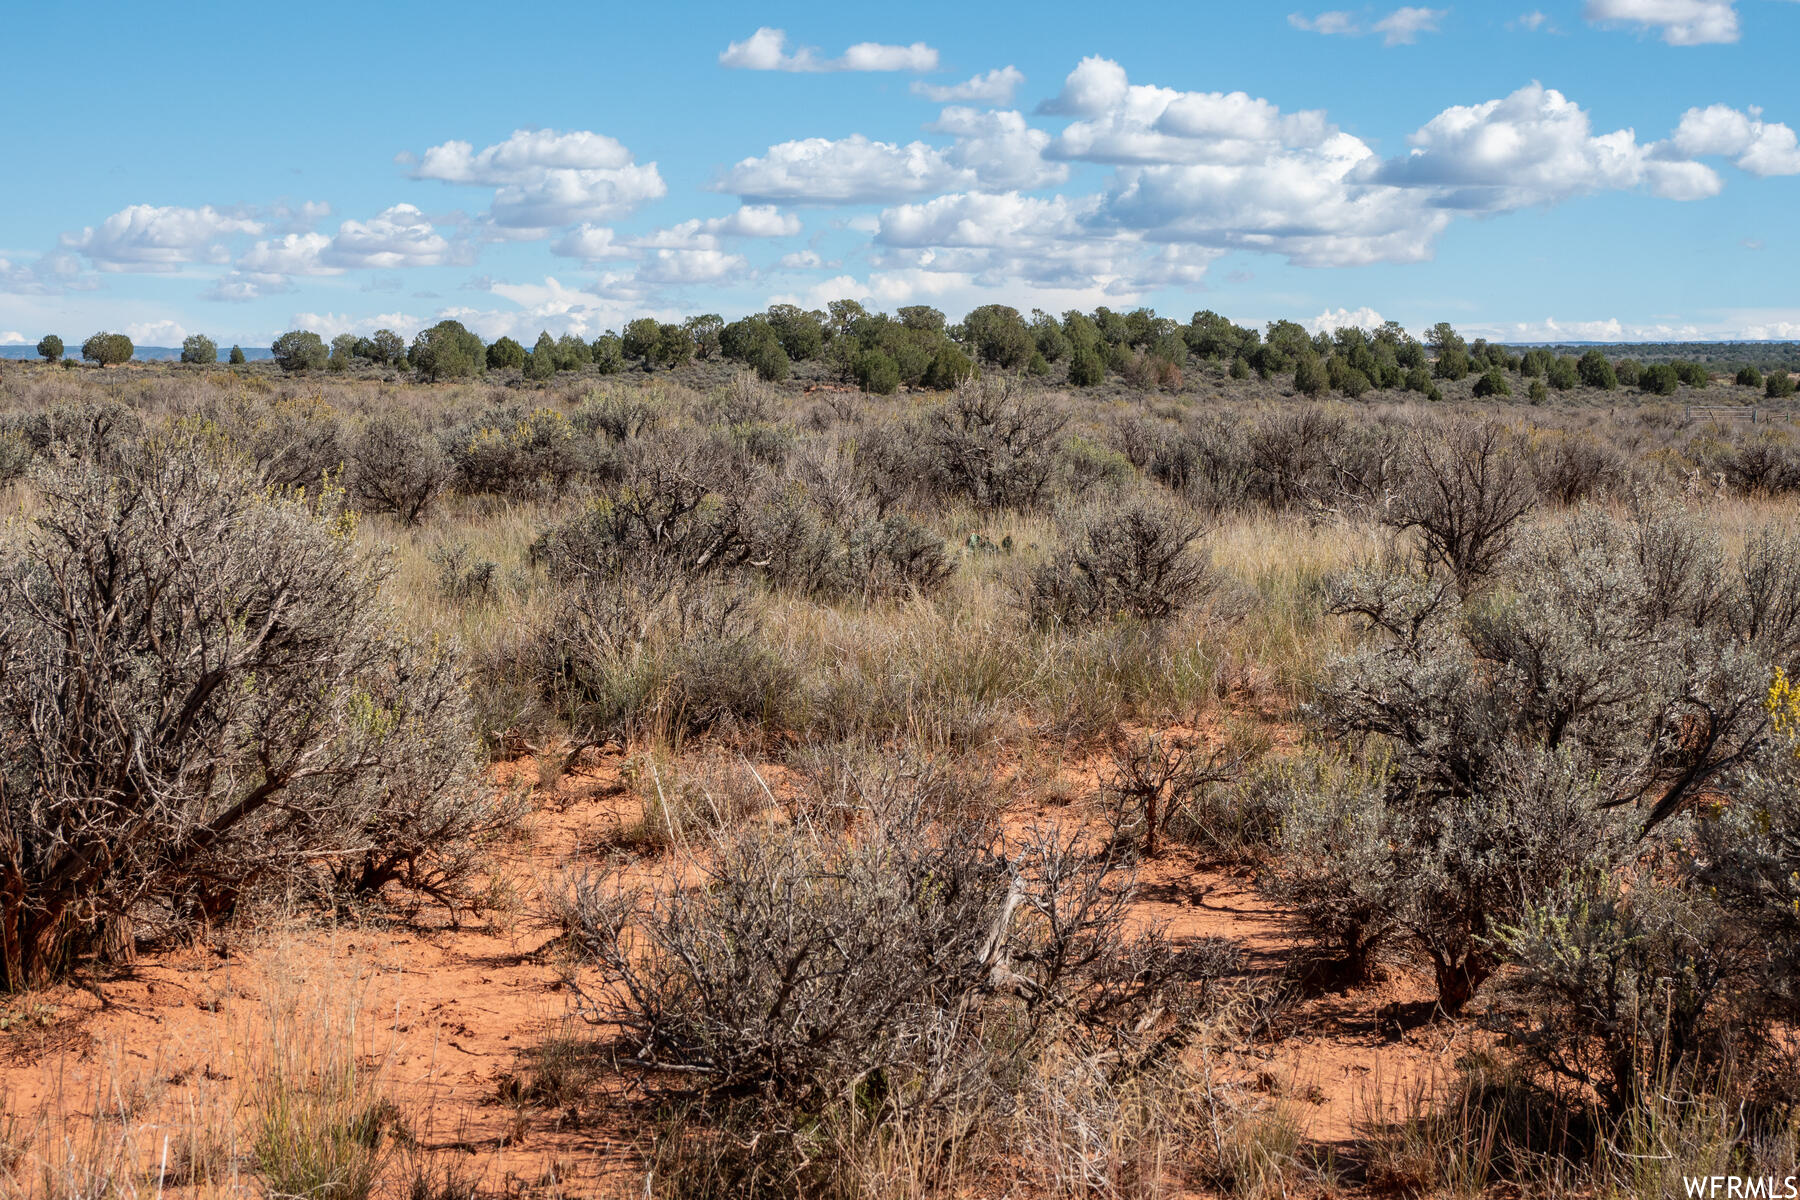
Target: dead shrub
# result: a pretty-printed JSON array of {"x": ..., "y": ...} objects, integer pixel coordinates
[
  {"x": 1570, "y": 468},
  {"x": 1466, "y": 488},
  {"x": 1154, "y": 777}
]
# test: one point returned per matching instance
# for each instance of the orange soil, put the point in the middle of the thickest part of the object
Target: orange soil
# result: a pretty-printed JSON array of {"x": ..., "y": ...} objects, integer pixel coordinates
[{"x": 448, "y": 1010}]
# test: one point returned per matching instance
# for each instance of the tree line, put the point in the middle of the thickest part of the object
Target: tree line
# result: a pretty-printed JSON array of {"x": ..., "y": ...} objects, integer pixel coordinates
[{"x": 918, "y": 346}]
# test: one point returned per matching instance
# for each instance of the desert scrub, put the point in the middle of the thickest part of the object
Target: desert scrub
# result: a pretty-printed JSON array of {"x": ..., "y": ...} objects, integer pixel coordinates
[
  {"x": 901, "y": 970},
  {"x": 1140, "y": 560},
  {"x": 1615, "y": 664},
  {"x": 299, "y": 738}
]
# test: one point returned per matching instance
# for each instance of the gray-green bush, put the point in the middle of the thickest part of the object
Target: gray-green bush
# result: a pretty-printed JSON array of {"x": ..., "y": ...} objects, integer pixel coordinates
[{"x": 202, "y": 695}]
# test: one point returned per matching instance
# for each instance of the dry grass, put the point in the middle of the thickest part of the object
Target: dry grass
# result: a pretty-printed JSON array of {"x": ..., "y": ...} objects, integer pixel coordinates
[{"x": 287, "y": 1098}]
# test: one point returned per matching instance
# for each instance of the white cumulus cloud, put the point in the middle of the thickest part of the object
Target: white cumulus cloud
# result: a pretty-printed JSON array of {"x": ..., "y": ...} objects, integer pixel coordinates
[
  {"x": 156, "y": 333},
  {"x": 852, "y": 170},
  {"x": 1678, "y": 22},
  {"x": 590, "y": 243},
  {"x": 1335, "y": 23},
  {"x": 766, "y": 50},
  {"x": 290, "y": 254},
  {"x": 754, "y": 220},
  {"x": 1120, "y": 123},
  {"x": 544, "y": 179},
  {"x": 1334, "y": 319},
  {"x": 521, "y": 157},
  {"x": 1757, "y": 146},
  {"x": 1401, "y": 27},
  {"x": 686, "y": 252},
  {"x": 241, "y": 287},
  {"x": 995, "y": 87},
  {"x": 691, "y": 265},
  {"x": 398, "y": 236},
  {"x": 51, "y": 274},
  {"x": 1047, "y": 248},
  {"x": 1535, "y": 146},
  {"x": 992, "y": 150},
  {"x": 997, "y": 149},
  {"x": 1232, "y": 171},
  {"x": 145, "y": 237}
]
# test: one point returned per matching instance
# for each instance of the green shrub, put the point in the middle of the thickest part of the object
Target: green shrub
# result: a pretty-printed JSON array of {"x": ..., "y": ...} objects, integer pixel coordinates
[
  {"x": 609, "y": 354},
  {"x": 1493, "y": 382},
  {"x": 298, "y": 351},
  {"x": 769, "y": 361},
  {"x": 877, "y": 372},
  {"x": 198, "y": 348},
  {"x": 1309, "y": 377},
  {"x": 1596, "y": 372},
  {"x": 1087, "y": 367},
  {"x": 572, "y": 354},
  {"x": 1695, "y": 375},
  {"x": 952, "y": 368},
  {"x": 505, "y": 355},
  {"x": 1659, "y": 379},
  {"x": 1451, "y": 364},
  {"x": 447, "y": 351},
  {"x": 108, "y": 349}
]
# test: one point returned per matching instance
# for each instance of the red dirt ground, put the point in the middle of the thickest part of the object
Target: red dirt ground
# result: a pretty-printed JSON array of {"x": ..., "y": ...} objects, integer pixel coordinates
[{"x": 446, "y": 1011}]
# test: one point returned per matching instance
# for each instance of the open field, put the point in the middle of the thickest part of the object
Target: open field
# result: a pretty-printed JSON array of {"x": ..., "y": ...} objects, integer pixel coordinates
[{"x": 682, "y": 783}]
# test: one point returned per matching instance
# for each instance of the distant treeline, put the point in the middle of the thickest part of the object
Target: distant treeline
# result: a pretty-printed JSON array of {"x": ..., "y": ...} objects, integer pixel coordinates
[
  {"x": 141, "y": 353},
  {"x": 918, "y": 346},
  {"x": 1724, "y": 357}
]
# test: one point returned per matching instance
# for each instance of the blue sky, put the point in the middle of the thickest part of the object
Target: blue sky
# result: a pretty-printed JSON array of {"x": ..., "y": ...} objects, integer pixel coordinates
[{"x": 1595, "y": 169}]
